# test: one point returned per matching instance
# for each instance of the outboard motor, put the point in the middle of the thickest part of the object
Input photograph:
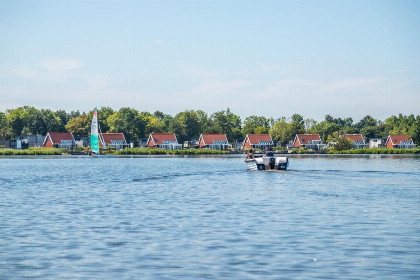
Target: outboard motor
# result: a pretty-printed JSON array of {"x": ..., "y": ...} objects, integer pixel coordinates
[
  {"x": 283, "y": 165},
  {"x": 272, "y": 162}
]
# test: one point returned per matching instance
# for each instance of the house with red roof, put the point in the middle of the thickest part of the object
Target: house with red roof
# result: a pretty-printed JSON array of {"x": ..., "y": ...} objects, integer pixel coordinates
[
  {"x": 357, "y": 139},
  {"x": 308, "y": 141},
  {"x": 114, "y": 140},
  {"x": 165, "y": 141},
  {"x": 258, "y": 141},
  {"x": 214, "y": 141},
  {"x": 63, "y": 140},
  {"x": 399, "y": 142}
]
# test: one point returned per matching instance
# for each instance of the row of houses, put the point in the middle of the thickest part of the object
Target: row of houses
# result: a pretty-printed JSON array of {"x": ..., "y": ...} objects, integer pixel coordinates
[
  {"x": 169, "y": 141},
  {"x": 313, "y": 141}
]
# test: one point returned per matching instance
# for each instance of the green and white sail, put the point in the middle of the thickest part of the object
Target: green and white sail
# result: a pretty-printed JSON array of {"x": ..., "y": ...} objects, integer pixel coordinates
[{"x": 94, "y": 135}]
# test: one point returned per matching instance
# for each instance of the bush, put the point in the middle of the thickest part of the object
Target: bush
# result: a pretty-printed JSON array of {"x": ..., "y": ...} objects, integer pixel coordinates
[
  {"x": 302, "y": 151},
  {"x": 32, "y": 151},
  {"x": 382, "y": 150},
  {"x": 149, "y": 151},
  {"x": 343, "y": 144}
]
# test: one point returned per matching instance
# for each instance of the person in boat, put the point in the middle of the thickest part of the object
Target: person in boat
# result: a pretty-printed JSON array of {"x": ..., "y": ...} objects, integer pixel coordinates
[
  {"x": 250, "y": 155},
  {"x": 268, "y": 152}
]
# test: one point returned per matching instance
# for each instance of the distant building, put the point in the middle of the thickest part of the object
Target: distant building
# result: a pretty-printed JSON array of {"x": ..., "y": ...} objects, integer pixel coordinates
[
  {"x": 399, "y": 142},
  {"x": 357, "y": 139},
  {"x": 308, "y": 141},
  {"x": 63, "y": 140},
  {"x": 376, "y": 142},
  {"x": 258, "y": 141},
  {"x": 27, "y": 141},
  {"x": 214, "y": 141},
  {"x": 113, "y": 140},
  {"x": 165, "y": 141},
  {"x": 239, "y": 144},
  {"x": 4, "y": 144},
  {"x": 82, "y": 141},
  {"x": 191, "y": 144},
  {"x": 143, "y": 142}
]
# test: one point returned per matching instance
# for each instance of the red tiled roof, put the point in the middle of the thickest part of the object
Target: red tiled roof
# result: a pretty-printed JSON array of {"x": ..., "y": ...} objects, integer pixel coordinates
[
  {"x": 56, "y": 137},
  {"x": 108, "y": 137},
  {"x": 304, "y": 139},
  {"x": 354, "y": 137},
  {"x": 160, "y": 137},
  {"x": 255, "y": 139},
  {"x": 396, "y": 139},
  {"x": 210, "y": 138}
]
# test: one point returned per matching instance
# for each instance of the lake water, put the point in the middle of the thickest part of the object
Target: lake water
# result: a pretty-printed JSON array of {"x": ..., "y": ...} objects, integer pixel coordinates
[{"x": 327, "y": 217}]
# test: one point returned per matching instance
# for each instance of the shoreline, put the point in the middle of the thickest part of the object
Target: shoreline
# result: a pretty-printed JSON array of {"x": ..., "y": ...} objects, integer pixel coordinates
[{"x": 239, "y": 156}]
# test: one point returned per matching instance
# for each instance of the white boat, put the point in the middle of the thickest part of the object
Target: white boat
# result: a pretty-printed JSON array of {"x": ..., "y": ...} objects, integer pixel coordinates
[{"x": 268, "y": 163}]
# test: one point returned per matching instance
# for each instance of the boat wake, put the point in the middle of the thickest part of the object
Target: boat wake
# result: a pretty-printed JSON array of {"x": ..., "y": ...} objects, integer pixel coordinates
[{"x": 175, "y": 175}]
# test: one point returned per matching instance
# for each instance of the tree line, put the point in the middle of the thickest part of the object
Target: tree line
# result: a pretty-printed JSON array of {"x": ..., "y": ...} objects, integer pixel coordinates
[{"x": 189, "y": 124}]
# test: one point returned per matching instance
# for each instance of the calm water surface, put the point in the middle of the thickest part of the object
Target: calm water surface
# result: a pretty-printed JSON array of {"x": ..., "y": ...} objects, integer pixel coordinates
[{"x": 208, "y": 217}]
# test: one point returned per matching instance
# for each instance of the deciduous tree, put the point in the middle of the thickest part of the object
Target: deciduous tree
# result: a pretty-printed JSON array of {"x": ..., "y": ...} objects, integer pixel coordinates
[
  {"x": 227, "y": 123},
  {"x": 127, "y": 121}
]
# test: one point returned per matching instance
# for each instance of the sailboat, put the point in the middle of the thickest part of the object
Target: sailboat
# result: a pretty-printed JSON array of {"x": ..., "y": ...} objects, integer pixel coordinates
[{"x": 95, "y": 136}]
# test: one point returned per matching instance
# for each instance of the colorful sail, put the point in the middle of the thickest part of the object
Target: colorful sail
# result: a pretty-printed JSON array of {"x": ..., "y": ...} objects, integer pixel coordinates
[{"x": 94, "y": 136}]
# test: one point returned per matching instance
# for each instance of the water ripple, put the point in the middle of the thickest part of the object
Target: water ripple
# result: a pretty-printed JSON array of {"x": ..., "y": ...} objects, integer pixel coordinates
[{"x": 209, "y": 218}]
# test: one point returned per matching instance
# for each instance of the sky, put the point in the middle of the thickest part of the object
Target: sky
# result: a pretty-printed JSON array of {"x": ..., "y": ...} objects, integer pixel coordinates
[{"x": 265, "y": 58}]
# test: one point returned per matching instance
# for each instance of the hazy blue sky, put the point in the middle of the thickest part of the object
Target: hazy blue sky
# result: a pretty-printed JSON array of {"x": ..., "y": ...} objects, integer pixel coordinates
[{"x": 270, "y": 58}]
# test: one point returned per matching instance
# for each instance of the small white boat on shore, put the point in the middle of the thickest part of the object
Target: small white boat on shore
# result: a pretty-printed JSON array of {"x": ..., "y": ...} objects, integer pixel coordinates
[{"x": 268, "y": 163}]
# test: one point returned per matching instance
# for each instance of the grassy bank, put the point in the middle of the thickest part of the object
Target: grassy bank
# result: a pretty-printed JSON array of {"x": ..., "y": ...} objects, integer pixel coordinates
[
  {"x": 146, "y": 151},
  {"x": 376, "y": 151},
  {"x": 134, "y": 151},
  {"x": 31, "y": 152}
]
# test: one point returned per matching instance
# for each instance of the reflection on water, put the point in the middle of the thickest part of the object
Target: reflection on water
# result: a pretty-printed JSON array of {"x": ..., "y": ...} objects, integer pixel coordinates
[{"x": 339, "y": 217}]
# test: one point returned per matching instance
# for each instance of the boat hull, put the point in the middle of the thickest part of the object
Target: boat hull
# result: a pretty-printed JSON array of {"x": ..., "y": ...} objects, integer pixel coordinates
[{"x": 268, "y": 163}]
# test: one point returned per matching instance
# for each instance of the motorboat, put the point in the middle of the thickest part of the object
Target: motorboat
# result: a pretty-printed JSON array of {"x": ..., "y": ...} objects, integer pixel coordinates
[{"x": 268, "y": 163}]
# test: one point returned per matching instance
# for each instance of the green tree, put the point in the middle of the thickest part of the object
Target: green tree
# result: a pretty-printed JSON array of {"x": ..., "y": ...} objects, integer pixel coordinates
[
  {"x": 256, "y": 124},
  {"x": 52, "y": 122},
  {"x": 103, "y": 115},
  {"x": 152, "y": 124},
  {"x": 366, "y": 121},
  {"x": 282, "y": 131},
  {"x": 74, "y": 114},
  {"x": 415, "y": 135},
  {"x": 326, "y": 128},
  {"x": 226, "y": 122},
  {"x": 80, "y": 126},
  {"x": 400, "y": 125},
  {"x": 297, "y": 124},
  {"x": 343, "y": 144},
  {"x": 204, "y": 121},
  {"x": 4, "y": 127},
  {"x": 309, "y": 124},
  {"x": 63, "y": 120},
  {"x": 16, "y": 121},
  {"x": 185, "y": 125},
  {"x": 128, "y": 121},
  {"x": 34, "y": 122},
  {"x": 372, "y": 131}
]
